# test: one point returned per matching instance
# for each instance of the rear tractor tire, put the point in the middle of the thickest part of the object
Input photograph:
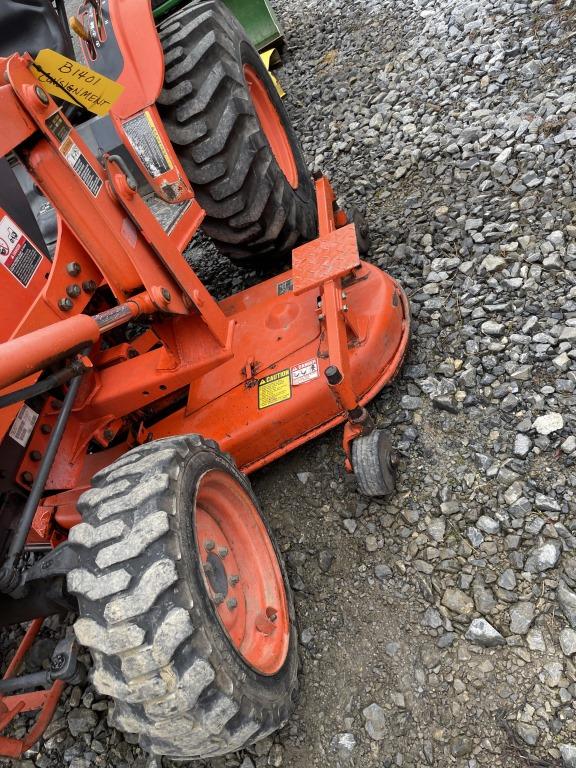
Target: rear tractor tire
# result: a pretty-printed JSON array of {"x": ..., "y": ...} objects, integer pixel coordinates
[
  {"x": 233, "y": 137},
  {"x": 183, "y": 601}
]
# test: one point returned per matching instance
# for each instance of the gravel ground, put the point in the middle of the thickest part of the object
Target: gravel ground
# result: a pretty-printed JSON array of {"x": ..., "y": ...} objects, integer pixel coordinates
[{"x": 438, "y": 628}]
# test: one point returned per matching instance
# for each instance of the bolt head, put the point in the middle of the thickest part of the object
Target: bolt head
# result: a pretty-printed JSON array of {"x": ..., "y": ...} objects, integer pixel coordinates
[
  {"x": 232, "y": 603},
  {"x": 234, "y": 580},
  {"x": 41, "y": 95},
  {"x": 89, "y": 286},
  {"x": 208, "y": 568},
  {"x": 73, "y": 290},
  {"x": 35, "y": 455},
  {"x": 209, "y": 545},
  {"x": 27, "y": 478},
  {"x": 166, "y": 295},
  {"x": 222, "y": 552},
  {"x": 65, "y": 304},
  {"x": 73, "y": 268},
  {"x": 218, "y": 598}
]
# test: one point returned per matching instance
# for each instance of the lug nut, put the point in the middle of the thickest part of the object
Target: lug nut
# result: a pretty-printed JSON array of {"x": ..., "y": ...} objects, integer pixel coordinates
[
  {"x": 209, "y": 545},
  {"x": 73, "y": 290},
  {"x": 234, "y": 580},
  {"x": 222, "y": 552},
  {"x": 65, "y": 304},
  {"x": 232, "y": 603},
  {"x": 218, "y": 598},
  {"x": 73, "y": 268}
]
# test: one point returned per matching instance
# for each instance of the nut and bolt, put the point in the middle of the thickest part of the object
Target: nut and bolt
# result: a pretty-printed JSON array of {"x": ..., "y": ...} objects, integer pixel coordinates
[
  {"x": 45, "y": 429},
  {"x": 65, "y": 304},
  {"x": 234, "y": 580},
  {"x": 73, "y": 268},
  {"x": 218, "y": 598},
  {"x": 27, "y": 477},
  {"x": 35, "y": 455},
  {"x": 166, "y": 295},
  {"x": 108, "y": 434},
  {"x": 73, "y": 290},
  {"x": 208, "y": 568},
  {"x": 209, "y": 545},
  {"x": 222, "y": 552},
  {"x": 41, "y": 94},
  {"x": 89, "y": 286},
  {"x": 232, "y": 603}
]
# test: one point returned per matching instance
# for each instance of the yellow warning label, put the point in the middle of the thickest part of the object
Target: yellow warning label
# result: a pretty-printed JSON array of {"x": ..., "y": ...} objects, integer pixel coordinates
[
  {"x": 80, "y": 85},
  {"x": 274, "y": 388}
]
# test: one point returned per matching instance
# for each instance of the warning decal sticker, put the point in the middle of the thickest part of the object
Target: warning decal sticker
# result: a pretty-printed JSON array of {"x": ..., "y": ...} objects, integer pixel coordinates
[
  {"x": 23, "y": 425},
  {"x": 58, "y": 126},
  {"x": 274, "y": 388},
  {"x": 81, "y": 166},
  {"x": 284, "y": 287},
  {"x": 146, "y": 142},
  {"x": 304, "y": 372},
  {"x": 17, "y": 254}
]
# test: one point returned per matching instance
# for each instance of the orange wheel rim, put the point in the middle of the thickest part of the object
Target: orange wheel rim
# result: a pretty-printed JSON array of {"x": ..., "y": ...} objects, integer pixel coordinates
[
  {"x": 272, "y": 125},
  {"x": 241, "y": 572}
]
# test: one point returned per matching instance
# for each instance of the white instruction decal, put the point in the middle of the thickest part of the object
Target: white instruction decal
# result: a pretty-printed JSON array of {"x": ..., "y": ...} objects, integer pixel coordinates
[
  {"x": 304, "y": 372},
  {"x": 23, "y": 425}
]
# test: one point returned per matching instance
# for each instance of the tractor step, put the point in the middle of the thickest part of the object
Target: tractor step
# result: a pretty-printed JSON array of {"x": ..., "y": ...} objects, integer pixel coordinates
[{"x": 330, "y": 257}]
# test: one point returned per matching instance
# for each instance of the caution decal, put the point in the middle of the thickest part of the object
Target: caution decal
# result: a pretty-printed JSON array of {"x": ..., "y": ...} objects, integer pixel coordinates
[
  {"x": 274, "y": 389},
  {"x": 17, "y": 254}
]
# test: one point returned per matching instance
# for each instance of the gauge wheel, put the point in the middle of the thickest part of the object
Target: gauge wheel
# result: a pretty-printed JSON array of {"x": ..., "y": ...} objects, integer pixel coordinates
[{"x": 374, "y": 462}]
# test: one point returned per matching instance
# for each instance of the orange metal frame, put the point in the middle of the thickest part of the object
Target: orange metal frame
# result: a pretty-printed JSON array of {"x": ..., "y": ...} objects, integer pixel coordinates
[{"x": 247, "y": 371}]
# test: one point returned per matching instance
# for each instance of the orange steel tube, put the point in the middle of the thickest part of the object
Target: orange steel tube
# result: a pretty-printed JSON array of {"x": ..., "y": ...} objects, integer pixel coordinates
[{"x": 32, "y": 352}]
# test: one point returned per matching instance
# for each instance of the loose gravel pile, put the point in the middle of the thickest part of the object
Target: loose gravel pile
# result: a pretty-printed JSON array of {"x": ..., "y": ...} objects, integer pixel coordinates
[{"x": 437, "y": 628}]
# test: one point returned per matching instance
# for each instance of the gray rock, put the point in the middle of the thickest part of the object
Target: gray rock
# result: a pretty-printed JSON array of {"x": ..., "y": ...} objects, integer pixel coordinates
[
  {"x": 507, "y": 579},
  {"x": 548, "y": 423},
  {"x": 488, "y": 524},
  {"x": 383, "y": 572},
  {"x": 568, "y": 641},
  {"x": 81, "y": 720},
  {"x": 458, "y": 601},
  {"x": 482, "y": 633},
  {"x": 375, "y": 724},
  {"x": 542, "y": 558},
  {"x": 567, "y": 600},
  {"x": 521, "y": 617},
  {"x": 460, "y": 746},
  {"x": 568, "y": 752},
  {"x": 522, "y": 445},
  {"x": 528, "y": 733},
  {"x": 492, "y": 328},
  {"x": 343, "y": 744}
]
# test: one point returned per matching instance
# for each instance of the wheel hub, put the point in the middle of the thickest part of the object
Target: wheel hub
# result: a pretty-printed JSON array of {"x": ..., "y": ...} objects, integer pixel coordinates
[{"x": 241, "y": 572}]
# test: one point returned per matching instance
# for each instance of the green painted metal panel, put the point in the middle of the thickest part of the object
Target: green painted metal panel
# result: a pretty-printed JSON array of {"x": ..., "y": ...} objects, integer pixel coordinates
[{"x": 256, "y": 16}]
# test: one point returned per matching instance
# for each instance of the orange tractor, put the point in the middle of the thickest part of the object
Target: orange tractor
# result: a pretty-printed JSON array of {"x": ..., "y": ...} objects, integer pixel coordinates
[{"x": 132, "y": 403}]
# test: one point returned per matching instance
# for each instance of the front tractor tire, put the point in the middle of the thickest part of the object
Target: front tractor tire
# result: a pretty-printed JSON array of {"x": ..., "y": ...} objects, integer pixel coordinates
[
  {"x": 183, "y": 601},
  {"x": 233, "y": 137}
]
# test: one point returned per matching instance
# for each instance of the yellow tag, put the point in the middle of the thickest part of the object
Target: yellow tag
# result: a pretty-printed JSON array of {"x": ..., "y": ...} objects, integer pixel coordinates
[
  {"x": 269, "y": 57},
  {"x": 80, "y": 85},
  {"x": 274, "y": 388}
]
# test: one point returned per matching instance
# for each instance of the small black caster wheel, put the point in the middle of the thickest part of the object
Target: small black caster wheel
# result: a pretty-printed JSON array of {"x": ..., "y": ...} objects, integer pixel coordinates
[
  {"x": 374, "y": 461},
  {"x": 362, "y": 233}
]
